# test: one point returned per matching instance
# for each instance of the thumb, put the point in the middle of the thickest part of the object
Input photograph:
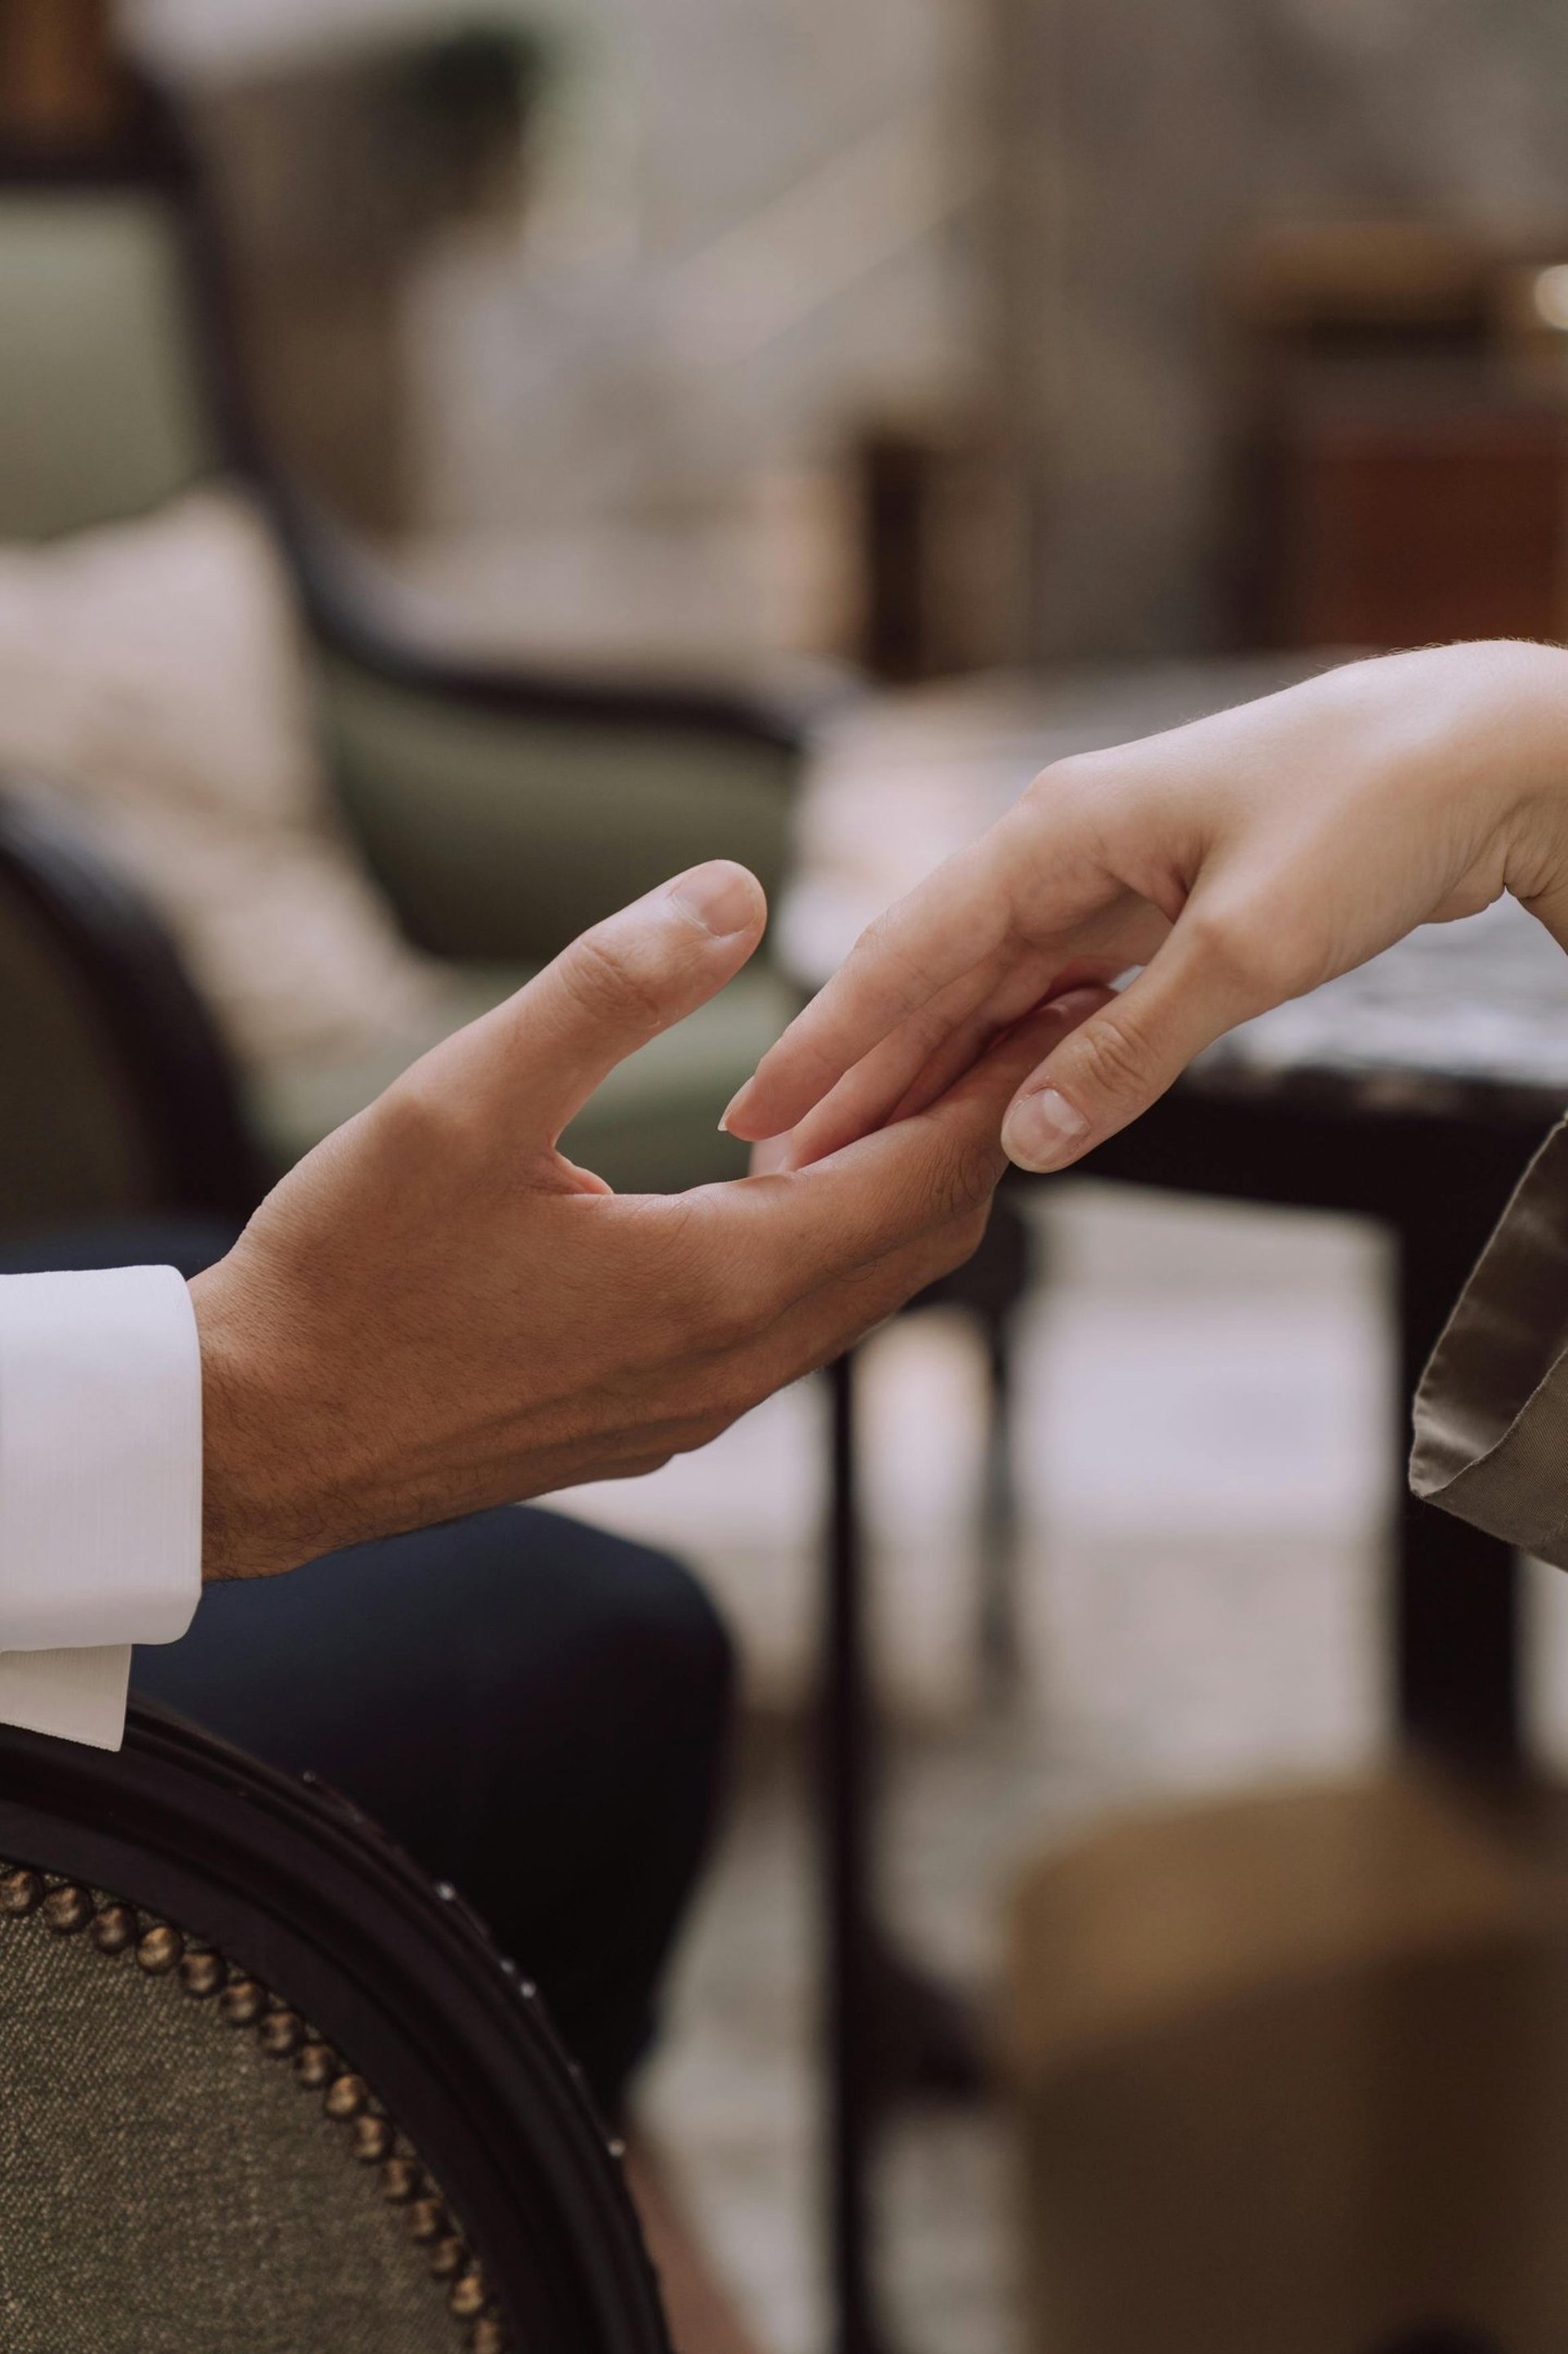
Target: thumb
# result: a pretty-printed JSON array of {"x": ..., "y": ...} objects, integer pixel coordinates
[
  {"x": 616, "y": 987},
  {"x": 1124, "y": 1057}
]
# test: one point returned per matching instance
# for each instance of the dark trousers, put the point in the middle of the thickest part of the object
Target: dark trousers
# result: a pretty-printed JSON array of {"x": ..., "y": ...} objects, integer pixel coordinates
[{"x": 537, "y": 1712}]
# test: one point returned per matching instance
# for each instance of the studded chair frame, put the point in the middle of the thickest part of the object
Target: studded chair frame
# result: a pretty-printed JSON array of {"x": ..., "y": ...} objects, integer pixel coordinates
[{"x": 271, "y": 1915}]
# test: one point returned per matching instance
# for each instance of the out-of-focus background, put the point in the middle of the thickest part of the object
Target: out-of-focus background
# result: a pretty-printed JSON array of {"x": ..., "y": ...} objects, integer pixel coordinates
[{"x": 645, "y": 430}]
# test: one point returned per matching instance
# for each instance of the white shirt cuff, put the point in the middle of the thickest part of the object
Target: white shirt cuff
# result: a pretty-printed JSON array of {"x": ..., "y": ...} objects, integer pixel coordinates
[{"x": 99, "y": 1488}]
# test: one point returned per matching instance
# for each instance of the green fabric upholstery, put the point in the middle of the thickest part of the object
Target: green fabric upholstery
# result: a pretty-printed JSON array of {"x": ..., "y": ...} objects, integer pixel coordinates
[
  {"x": 652, "y": 1127},
  {"x": 167, "y": 2188},
  {"x": 71, "y": 1145},
  {"x": 503, "y": 836},
  {"x": 101, "y": 408}
]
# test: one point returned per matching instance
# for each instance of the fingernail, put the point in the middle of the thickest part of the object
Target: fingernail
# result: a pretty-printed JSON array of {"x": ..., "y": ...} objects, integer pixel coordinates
[
  {"x": 1043, "y": 1131},
  {"x": 720, "y": 897}
]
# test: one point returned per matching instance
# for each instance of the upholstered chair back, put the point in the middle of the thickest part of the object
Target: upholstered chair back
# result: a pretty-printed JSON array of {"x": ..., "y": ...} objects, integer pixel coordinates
[
  {"x": 104, "y": 409},
  {"x": 185, "y": 2163},
  {"x": 117, "y": 1093},
  {"x": 76, "y": 1147},
  {"x": 265, "y": 2091}
]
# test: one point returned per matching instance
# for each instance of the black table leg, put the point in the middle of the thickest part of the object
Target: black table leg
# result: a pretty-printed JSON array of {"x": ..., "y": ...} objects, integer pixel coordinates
[
  {"x": 891, "y": 2030},
  {"x": 1000, "y": 1636},
  {"x": 1457, "y": 1594},
  {"x": 990, "y": 1289},
  {"x": 849, "y": 2022}
]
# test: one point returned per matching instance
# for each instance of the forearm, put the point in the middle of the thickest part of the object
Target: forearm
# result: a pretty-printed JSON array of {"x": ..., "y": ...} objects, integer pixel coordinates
[
  {"x": 1537, "y": 875},
  {"x": 1494, "y": 718}
]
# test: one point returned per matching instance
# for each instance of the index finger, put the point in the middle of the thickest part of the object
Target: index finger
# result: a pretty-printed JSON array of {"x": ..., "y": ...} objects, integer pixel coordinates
[
  {"x": 805, "y": 1227},
  {"x": 950, "y": 925}
]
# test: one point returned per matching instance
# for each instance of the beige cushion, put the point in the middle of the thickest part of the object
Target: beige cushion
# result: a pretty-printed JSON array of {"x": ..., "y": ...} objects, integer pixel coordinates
[{"x": 152, "y": 673}]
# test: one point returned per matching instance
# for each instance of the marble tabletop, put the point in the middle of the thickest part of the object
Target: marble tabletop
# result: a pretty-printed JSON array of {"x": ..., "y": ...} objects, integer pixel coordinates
[{"x": 1475, "y": 1008}]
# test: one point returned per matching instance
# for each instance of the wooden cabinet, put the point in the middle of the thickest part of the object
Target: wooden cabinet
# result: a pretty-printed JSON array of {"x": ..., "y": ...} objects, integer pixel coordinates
[{"x": 1407, "y": 506}]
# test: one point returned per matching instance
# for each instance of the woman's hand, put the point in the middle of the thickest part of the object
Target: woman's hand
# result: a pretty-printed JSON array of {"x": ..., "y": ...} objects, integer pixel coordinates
[{"x": 1240, "y": 861}]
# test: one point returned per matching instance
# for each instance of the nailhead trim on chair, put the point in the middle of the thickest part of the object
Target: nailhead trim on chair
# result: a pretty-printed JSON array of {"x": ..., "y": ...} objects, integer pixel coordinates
[{"x": 114, "y": 1928}]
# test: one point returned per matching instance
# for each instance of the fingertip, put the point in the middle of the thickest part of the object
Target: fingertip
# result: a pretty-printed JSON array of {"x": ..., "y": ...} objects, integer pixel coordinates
[
  {"x": 722, "y": 897},
  {"x": 1043, "y": 1131},
  {"x": 738, "y": 1121}
]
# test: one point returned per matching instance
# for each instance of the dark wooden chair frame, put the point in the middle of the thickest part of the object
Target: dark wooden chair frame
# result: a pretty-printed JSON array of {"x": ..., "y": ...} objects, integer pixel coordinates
[{"x": 181, "y": 1083}]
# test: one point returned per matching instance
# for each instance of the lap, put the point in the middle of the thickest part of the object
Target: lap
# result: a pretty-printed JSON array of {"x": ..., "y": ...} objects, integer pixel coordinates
[
  {"x": 536, "y": 1711},
  {"x": 422, "y": 1674}
]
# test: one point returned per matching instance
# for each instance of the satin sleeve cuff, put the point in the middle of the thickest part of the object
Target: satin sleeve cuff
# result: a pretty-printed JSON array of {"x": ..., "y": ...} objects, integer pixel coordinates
[
  {"x": 1491, "y": 1416},
  {"x": 99, "y": 1489}
]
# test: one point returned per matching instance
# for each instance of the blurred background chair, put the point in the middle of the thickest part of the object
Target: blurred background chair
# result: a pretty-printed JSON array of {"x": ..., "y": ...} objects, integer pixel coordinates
[
  {"x": 264, "y": 2086},
  {"x": 121, "y": 1099},
  {"x": 501, "y": 812}
]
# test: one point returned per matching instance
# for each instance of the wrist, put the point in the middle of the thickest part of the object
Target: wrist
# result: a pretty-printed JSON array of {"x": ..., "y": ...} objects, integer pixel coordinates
[
  {"x": 250, "y": 1473},
  {"x": 1531, "y": 753}
]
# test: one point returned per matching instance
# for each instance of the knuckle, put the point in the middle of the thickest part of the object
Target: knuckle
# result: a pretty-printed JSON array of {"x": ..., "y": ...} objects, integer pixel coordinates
[
  {"x": 715, "y": 1401},
  {"x": 732, "y": 1318},
  {"x": 419, "y": 1122},
  {"x": 700, "y": 1310},
  {"x": 972, "y": 1180},
  {"x": 715, "y": 1302},
  {"x": 704, "y": 1428},
  {"x": 886, "y": 948},
  {"x": 1234, "y": 945},
  {"x": 643, "y": 1461},
  {"x": 956, "y": 1246},
  {"x": 1111, "y": 1056},
  {"x": 952, "y": 1186},
  {"x": 606, "y": 975},
  {"x": 1074, "y": 773},
  {"x": 970, "y": 1233},
  {"x": 1081, "y": 778},
  {"x": 757, "y": 1298}
]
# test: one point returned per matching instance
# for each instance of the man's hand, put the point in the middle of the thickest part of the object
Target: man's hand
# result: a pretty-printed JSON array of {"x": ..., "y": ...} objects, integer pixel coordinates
[
  {"x": 1240, "y": 861},
  {"x": 436, "y": 1311}
]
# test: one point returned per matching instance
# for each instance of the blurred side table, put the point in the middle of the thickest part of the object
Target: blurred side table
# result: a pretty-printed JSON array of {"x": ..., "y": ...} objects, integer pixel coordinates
[{"x": 1410, "y": 1093}]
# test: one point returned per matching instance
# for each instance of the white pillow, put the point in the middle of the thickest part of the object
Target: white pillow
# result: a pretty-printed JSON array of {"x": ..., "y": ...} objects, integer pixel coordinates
[{"x": 152, "y": 673}]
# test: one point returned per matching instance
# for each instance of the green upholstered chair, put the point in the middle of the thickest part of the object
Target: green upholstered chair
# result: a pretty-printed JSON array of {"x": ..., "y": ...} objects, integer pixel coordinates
[
  {"x": 120, "y": 1100},
  {"x": 264, "y": 2090},
  {"x": 501, "y": 812}
]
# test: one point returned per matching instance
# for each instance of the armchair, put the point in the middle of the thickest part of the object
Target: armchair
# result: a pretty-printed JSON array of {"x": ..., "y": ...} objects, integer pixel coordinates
[{"x": 501, "y": 810}]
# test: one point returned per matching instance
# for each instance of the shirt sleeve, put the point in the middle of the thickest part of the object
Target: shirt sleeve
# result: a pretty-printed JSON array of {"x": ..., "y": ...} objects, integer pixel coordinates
[
  {"x": 99, "y": 1489},
  {"x": 1491, "y": 1416}
]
